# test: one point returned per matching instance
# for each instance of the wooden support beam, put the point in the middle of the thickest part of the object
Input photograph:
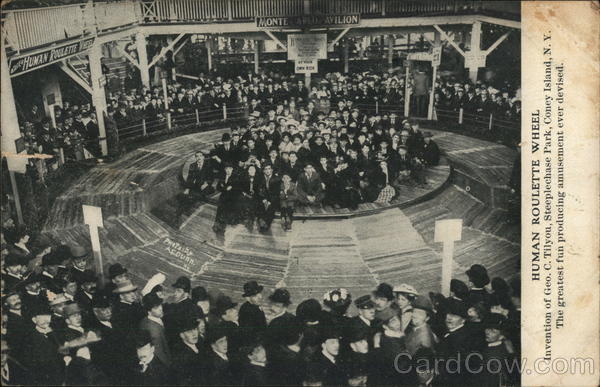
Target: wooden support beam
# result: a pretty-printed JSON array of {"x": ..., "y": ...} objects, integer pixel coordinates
[
  {"x": 497, "y": 43},
  {"x": 337, "y": 38},
  {"x": 449, "y": 40},
  {"x": 175, "y": 51},
  {"x": 127, "y": 56},
  {"x": 164, "y": 51},
  {"x": 276, "y": 40},
  {"x": 75, "y": 77}
]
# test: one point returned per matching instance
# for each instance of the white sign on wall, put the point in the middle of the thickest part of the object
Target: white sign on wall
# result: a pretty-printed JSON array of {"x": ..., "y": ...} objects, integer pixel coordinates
[
  {"x": 307, "y": 66},
  {"x": 307, "y": 46},
  {"x": 475, "y": 59}
]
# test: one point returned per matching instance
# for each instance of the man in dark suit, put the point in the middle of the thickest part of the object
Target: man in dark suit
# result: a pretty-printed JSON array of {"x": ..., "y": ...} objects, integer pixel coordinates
[
  {"x": 456, "y": 344},
  {"x": 107, "y": 353},
  {"x": 189, "y": 360},
  {"x": 17, "y": 326},
  {"x": 478, "y": 279},
  {"x": 326, "y": 362},
  {"x": 86, "y": 293},
  {"x": 365, "y": 320},
  {"x": 198, "y": 185},
  {"x": 310, "y": 186},
  {"x": 79, "y": 260},
  {"x": 45, "y": 364},
  {"x": 280, "y": 300},
  {"x": 430, "y": 153},
  {"x": 126, "y": 316},
  {"x": 50, "y": 266},
  {"x": 251, "y": 317},
  {"x": 286, "y": 364},
  {"x": 220, "y": 373},
  {"x": 269, "y": 195},
  {"x": 181, "y": 306},
  {"x": 150, "y": 371},
  {"x": 254, "y": 371}
]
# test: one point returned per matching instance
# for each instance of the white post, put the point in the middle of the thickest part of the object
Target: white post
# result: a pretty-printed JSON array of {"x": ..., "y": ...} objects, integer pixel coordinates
[
  {"x": 256, "y": 56},
  {"x": 346, "y": 56},
  {"x": 224, "y": 111},
  {"x": 92, "y": 216},
  {"x": 98, "y": 96},
  {"x": 437, "y": 43},
  {"x": 197, "y": 117},
  {"x": 447, "y": 231},
  {"x": 390, "y": 51},
  {"x": 144, "y": 131},
  {"x": 490, "y": 124},
  {"x": 460, "y": 116},
  {"x": 406, "y": 90},
  {"x": 140, "y": 41},
  {"x": 447, "y": 254},
  {"x": 209, "y": 47}
]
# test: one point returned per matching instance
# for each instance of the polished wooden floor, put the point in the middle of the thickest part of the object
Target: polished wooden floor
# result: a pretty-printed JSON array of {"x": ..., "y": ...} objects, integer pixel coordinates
[{"x": 324, "y": 250}]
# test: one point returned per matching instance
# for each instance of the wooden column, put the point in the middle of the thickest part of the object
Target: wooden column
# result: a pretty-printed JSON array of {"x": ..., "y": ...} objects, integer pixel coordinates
[
  {"x": 256, "y": 56},
  {"x": 10, "y": 131},
  {"x": 98, "y": 96},
  {"x": 140, "y": 41},
  {"x": 475, "y": 49}
]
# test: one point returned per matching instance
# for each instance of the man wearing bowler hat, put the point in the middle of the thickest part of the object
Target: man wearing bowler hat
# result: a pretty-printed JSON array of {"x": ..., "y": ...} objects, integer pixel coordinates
[
  {"x": 50, "y": 267},
  {"x": 86, "y": 292},
  {"x": 117, "y": 274},
  {"x": 251, "y": 316},
  {"x": 107, "y": 353},
  {"x": 189, "y": 360},
  {"x": 357, "y": 356},
  {"x": 478, "y": 279},
  {"x": 43, "y": 361},
  {"x": 280, "y": 300},
  {"x": 79, "y": 257},
  {"x": 326, "y": 362},
  {"x": 182, "y": 305},
  {"x": 456, "y": 344},
  {"x": 218, "y": 360}
]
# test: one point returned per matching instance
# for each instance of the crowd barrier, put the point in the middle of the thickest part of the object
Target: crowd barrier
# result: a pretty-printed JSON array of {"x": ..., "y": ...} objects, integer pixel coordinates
[{"x": 171, "y": 122}]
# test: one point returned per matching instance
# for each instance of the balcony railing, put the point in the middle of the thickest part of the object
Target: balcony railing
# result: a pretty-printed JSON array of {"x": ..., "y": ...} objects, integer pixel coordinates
[{"x": 29, "y": 28}]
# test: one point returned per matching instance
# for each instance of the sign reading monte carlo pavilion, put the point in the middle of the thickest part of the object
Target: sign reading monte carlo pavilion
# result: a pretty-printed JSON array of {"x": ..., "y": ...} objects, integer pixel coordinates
[{"x": 307, "y": 21}]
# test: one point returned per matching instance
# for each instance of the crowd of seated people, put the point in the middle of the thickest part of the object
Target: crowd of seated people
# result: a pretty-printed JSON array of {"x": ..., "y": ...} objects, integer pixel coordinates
[
  {"x": 339, "y": 159},
  {"x": 61, "y": 325}
]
